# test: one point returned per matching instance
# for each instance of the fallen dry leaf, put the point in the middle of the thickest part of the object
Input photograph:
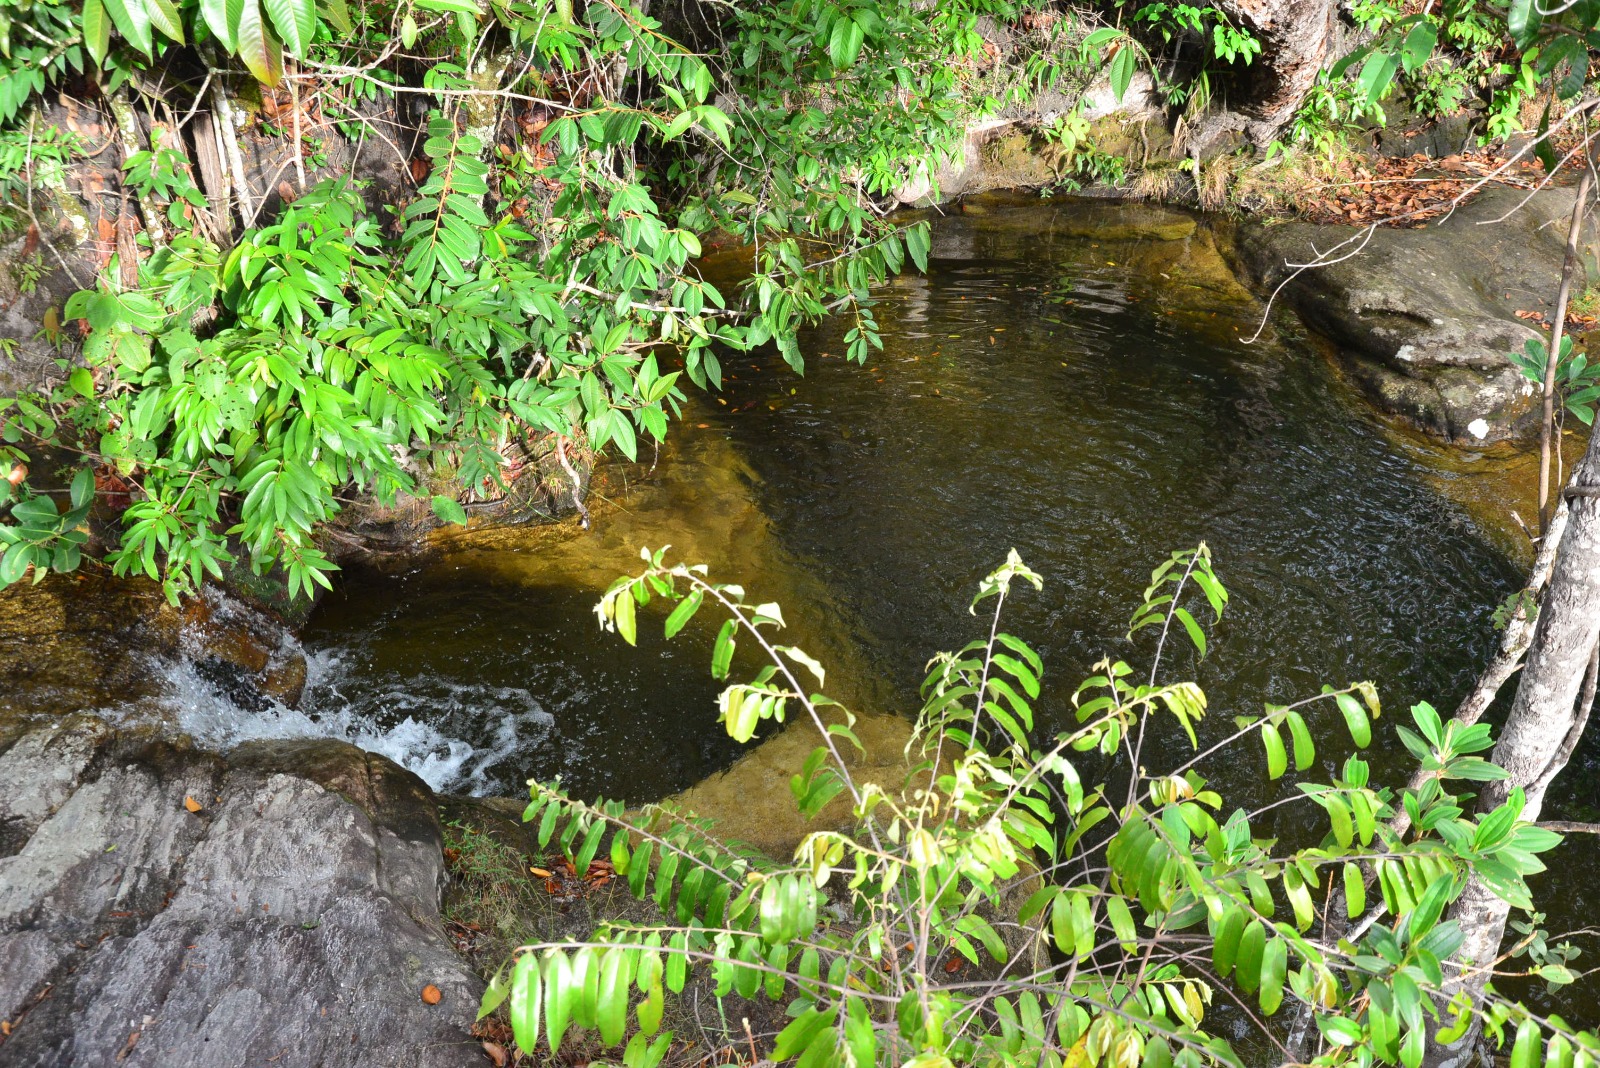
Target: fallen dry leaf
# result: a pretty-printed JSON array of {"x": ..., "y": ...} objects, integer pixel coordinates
[
  {"x": 539, "y": 872},
  {"x": 191, "y": 804},
  {"x": 431, "y": 995},
  {"x": 5, "y": 1028},
  {"x": 496, "y": 1052}
]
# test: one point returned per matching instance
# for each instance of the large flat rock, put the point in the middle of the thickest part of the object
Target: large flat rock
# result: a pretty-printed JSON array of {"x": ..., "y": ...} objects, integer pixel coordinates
[
  {"x": 292, "y": 921},
  {"x": 1425, "y": 318}
]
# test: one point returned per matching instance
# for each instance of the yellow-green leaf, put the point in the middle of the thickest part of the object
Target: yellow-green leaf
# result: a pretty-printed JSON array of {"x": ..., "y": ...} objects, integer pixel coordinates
[
  {"x": 1277, "y": 759},
  {"x": 525, "y": 1002},
  {"x": 164, "y": 17},
  {"x": 1355, "y": 890},
  {"x": 627, "y": 625},
  {"x": 1274, "y": 967}
]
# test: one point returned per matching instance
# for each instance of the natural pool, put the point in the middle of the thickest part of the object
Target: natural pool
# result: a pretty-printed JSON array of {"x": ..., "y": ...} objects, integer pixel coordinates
[
  {"x": 1069, "y": 379},
  {"x": 1084, "y": 400}
]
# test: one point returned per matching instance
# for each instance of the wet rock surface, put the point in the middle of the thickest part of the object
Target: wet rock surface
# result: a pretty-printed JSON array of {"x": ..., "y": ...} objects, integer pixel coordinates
[
  {"x": 1424, "y": 317},
  {"x": 71, "y": 641},
  {"x": 293, "y": 919},
  {"x": 87, "y": 640}
]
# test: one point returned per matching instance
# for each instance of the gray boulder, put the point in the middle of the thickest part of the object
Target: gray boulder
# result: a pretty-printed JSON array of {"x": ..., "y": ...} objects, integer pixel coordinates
[
  {"x": 292, "y": 920},
  {"x": 1424, "y": 318}
]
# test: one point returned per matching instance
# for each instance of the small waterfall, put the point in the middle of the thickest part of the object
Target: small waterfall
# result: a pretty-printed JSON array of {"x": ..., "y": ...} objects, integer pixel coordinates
[{"x": 412, "y": 722}]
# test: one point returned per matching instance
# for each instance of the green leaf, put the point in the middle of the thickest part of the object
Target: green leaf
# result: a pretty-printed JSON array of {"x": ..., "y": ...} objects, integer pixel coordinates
[
  {"x": 798, "y": 1035},
  {"x": 1376, "y": 75},
  {"x": 1355, "y": 890},
  {"x": 1252, "y": 944},
  {"x": 1523, "y": 20},
  {"x": 1196, "y": 635},
  {"x": 684, "y": 612},
  {"x": 1339, "y": 1030},
  {"x": 526, "y": 998},
  {"x": 1277, "y": 759},
  {"x": 561, "y": 996},
  {"x": 612, "y": 1008},
  {"x": 215, "y": 13},
  {"x": 1305, "y": 753},
  {"x": 919, "y": 242},
  {"x": 96, "y": 35},
  {"x": 1123, "y": 65},
  {"x": 132, "y": 21},
  {"x": 450, "y": 510},
  {"x": 164, "y": 17},
  {"x": 1525, "y": 1050},
  {"x": 651, "y": 1008},
  {"x": 1122, "y": 924},
  {"x": 295, "y": 21},
  {"x": 1225, "y": 945},
  {"x": 1355, "y": 717},
  {"x": 844, "y": 43},
  {"x": 1546, "y": 154},
  {"x": 1419, "y": 45},
  {"x": 623, "y": 615},
  {"x": 495, "y": 994},
  {"x": 256, "y": 43},
  {"x": 722, "y": 652},
  {"x": 1274, "y": 967}
]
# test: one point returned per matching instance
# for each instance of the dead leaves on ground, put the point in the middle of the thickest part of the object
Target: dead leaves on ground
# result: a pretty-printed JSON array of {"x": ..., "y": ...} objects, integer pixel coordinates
[
  {"x": 561, "y": 879},
  {"x": 1408, "y": 191},
  {"x": 1576, "y": 323}
]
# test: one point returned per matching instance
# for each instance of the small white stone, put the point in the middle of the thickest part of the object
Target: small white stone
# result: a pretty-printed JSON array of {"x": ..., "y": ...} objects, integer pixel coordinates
[{"x": 1478, "y": 428}]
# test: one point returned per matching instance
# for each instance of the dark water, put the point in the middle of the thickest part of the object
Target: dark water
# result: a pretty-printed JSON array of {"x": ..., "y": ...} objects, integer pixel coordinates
[{"x": 1086, "y": 402}]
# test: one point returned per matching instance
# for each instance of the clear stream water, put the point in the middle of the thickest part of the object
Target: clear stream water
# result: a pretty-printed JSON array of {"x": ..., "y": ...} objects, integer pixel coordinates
[{"x": 1057, "y": 383}]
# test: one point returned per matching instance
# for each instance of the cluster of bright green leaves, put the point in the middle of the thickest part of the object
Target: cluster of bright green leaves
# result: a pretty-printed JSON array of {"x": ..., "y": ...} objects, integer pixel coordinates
[
  {"x": 469, "y": 331},
  {"x": 924, "y": 868},
  {"x": 811, "y": 79},
  {"x": 39, "y": 45},
  {"x": 1577, "y": 380},
  {"x": 259, "y": 32},
  {"x": 742, "y": 706},
  {"x": 327, "y": 360},
  {"x": 1160, "y": 602},
  {"x": 732, "y": 909},
  {"x": 44, "y": 535},
  {"x": 1551, "y": 44}
]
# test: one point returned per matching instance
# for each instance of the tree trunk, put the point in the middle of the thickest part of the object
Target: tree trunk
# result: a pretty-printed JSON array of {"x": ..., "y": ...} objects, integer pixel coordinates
[
  {"x": 1296, "y": 37},
  {"x": 1544, "y": 725}
]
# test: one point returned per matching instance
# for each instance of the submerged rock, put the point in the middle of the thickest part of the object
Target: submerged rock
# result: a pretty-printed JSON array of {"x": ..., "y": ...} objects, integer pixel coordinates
[
  {"x": 160, "y": 906},
  {"x": 1425, "y": 318}
]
